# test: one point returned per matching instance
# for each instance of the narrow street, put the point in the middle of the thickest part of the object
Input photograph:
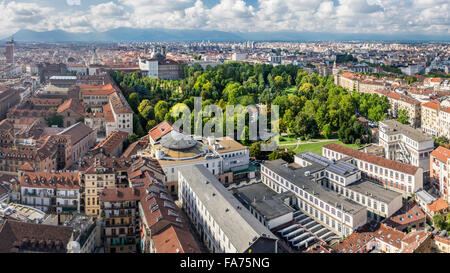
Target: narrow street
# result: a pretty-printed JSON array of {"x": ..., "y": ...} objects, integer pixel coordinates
[{"x": 192, "y": 229}]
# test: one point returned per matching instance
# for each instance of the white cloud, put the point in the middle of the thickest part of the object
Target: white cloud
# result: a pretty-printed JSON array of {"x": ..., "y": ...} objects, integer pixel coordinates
[
  {"x": 382, "y": 16},
  {"x": 73, "y": 2}
]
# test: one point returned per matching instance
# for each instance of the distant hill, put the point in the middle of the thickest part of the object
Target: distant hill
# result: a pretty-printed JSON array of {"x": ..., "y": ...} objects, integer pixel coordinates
[
  {"x": 170, "y": 35},
  {"x": 124, "y": 35}
]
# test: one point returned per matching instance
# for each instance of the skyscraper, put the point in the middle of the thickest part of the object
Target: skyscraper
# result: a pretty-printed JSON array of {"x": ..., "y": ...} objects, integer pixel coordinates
[{"x": 10, "y": 51}]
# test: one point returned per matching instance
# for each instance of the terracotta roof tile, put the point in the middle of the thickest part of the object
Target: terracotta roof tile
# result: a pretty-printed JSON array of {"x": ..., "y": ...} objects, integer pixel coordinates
[
  {"x": 438, "y": 205},
  {"x": 175, "y": 240},
  {"x": 160, "y": 130},
  {"x": 377, "y": 160},
  {"x": 441, "y": 153}
]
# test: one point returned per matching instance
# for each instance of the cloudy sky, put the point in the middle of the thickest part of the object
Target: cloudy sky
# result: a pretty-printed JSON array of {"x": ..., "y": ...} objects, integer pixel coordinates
[{"x": 349, "y": 16}]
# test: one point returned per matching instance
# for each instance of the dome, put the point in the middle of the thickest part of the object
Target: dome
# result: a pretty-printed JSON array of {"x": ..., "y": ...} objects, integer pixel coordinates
[
  {"x": 177, "y": 141},
  {"x": 158, "y": 56}
]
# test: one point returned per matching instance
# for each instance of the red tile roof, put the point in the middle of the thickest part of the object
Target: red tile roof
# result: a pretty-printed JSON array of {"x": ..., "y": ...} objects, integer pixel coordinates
[
  {"x": 99, "y": 90},
  {"x": 413, "y": 240},
  {"x": 438, "y": 205},
  {"x": 111, "y": 142},
  {"x": 441, "y": 153},
  {"x": 357, "y": 241},
  {"x": 65, "y": 180},
  {"x": 431, "y": 105},
  {"x": 408, "y": 214},
  {"x": 160, "y": 130},
  {"x": 107, "y": 112},
  {"x": 73, "y": 104},
  {"x": 26, "y": 167},
  {"x": 16, "y": 236},
  {"x": 121, "y": 194},
  {"x": 377, "y": 160},
  {"x": 175, "y": 240}
]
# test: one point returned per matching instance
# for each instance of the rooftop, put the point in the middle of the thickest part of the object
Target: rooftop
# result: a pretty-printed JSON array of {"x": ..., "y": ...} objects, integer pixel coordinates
[
  {"x": 377, "y": 160},
  {"x": 425, "y": 196},
  {"x": 77, "y": 132},
  {"x": 375, "y": 191},
  {"x": 393, "y": 127},
  {"x": 263, "y": 199},
  {"x": 18, "y": 236},
  {"x": 441, "y": 153},
  {"x": 226, "y": 210},
  {"x": 296, "y": 174}
]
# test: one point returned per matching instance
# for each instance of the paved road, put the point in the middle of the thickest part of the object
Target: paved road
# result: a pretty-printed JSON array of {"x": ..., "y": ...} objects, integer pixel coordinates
[{"x": 192, "y": 230}]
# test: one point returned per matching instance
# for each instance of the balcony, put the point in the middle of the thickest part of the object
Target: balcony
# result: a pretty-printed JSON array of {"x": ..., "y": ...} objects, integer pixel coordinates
[
  {"x": 122, "y": 241},
  {"x": 41, "y": 194},
  {"x": 66, "y": 196},
  {"x": 127, "y": 225}
]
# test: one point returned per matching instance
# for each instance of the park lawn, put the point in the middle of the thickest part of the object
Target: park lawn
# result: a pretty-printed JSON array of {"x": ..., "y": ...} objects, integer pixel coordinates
[
  {"x": 288, "y": 139},
  {"x": 293, "y": 139},
  {"x": 316, "y": 147}
]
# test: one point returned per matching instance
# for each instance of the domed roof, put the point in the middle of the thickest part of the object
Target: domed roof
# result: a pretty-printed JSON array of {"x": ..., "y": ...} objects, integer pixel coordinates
[
  {"x": 177, "y": 141},
  {"x": 158, "y": 56}
]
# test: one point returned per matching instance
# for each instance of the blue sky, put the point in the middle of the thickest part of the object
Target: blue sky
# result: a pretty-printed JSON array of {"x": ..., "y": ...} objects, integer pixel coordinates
[{"x": 349, "y": 16}]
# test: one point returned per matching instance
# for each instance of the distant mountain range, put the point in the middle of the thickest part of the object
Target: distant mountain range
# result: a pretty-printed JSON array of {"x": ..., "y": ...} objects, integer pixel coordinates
[{"x": 170, "y": 35}]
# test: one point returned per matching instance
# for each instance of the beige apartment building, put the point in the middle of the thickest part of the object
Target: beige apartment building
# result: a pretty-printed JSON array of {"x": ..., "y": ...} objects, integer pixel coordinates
[
  {"x": 96, "y": 179},
  {"x": 402, "y": 102},
  {"x": 370, "y": 86},
  {"x": 435, "y": 119},
  {"x": 444, "y": 122},
  {"x": 430, "y": 117},
  {"x": 347, "y": 80}
]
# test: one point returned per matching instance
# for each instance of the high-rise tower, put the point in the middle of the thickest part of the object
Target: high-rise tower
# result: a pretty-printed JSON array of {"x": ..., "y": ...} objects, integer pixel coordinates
[{"x": 10, "y": 51}]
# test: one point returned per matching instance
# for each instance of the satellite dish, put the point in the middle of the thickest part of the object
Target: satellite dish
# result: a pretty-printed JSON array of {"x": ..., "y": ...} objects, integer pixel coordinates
[{"x": 73, "y": 247}]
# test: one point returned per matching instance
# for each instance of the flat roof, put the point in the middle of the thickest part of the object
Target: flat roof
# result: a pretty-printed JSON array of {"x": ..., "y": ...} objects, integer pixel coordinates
[
  {"x": 263, "y": 199},
  {"x": 241, "y": 227},
  {"x": 63, "y": 78},
  {"x": 394, "y": 127},
  {"x": 425, "y": 196},
  {"x": 227, "y": 145},
  {"x": 375, "y": 191},
  {"x": 295, "y": 174}
]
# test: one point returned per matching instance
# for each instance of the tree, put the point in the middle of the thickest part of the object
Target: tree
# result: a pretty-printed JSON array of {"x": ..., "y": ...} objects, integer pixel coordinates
[
  {"x": 305, "y": 126},
  {"x": 326, "y": 130},
  {"x": 255, "y": 150},
  {"x": 439, "y": 221},
  {"x": 403, "y": 116},
  {"x": 132, "y": 138},
  {"x": 351, "y": 131},
  {"x": 150, "y": 124},
  {"x": 55, "y": 120},
  {"x": 161, "y": 109},
  {"x": 275, "y": 155},
  {"x": 279, "y": 83},
  {"x": 137, "y": 126},
  {"x": 286, "y": 156},
  {"x": 441, "y": 141},
  {"x": 289, "y": 121},
  {"x": 133, "y": 100},
  {"x": 306, "y": 90}
]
